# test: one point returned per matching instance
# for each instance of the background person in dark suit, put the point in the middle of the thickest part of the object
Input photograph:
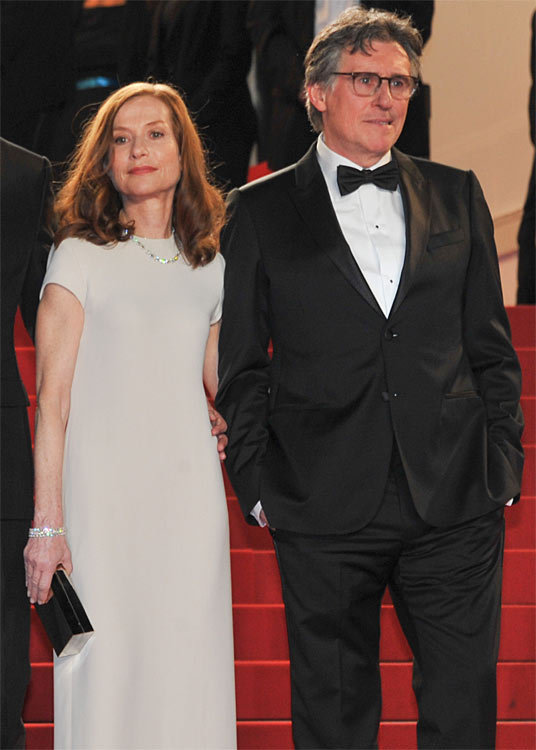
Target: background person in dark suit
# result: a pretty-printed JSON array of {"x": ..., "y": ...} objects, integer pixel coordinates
[
  {"x": 382, "y": 441},
  {"x": 281, "y": 31},
  {"x": 24, "y": 244},
  {"x": 203, "y": 49}
]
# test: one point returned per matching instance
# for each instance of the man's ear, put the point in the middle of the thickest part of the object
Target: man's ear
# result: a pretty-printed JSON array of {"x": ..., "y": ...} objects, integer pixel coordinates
[{"x": 317, "y": 96}]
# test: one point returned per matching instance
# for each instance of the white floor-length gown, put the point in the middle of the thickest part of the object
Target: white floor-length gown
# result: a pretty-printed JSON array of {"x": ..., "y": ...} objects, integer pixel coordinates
[{"x": 144, "y": 508}]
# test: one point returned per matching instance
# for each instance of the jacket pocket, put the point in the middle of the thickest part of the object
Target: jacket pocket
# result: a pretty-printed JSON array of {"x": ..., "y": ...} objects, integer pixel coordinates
[
  {"x": 463, "y": 394},
  {"x": 445, "y": 238}
]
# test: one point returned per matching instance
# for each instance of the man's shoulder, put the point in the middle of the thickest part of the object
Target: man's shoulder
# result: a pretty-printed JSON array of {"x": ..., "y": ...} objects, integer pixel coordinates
[
  {"x": 431, "y": 169},
  {"x": 270, "y": 182}
]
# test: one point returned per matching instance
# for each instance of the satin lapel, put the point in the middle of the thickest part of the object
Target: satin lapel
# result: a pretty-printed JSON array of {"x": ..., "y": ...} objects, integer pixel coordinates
[
  {"x": 416, "y": 199},
  {"x": 312, "y": 200}
]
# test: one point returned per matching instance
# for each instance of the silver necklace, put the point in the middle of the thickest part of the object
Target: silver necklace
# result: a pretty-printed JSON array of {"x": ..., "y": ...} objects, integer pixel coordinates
[{"x": 155, "y": 257}]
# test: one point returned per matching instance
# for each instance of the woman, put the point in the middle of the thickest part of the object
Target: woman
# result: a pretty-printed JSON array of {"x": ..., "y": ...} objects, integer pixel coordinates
[{"x": 126, "y": 334}]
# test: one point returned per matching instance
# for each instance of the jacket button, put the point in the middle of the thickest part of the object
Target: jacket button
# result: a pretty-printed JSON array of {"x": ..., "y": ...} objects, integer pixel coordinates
[{"x": 389, "y": 334}]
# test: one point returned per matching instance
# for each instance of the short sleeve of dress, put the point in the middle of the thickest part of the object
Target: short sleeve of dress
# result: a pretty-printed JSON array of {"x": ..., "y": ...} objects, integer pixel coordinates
[
  {"x": 217, "y": 312},
  {"x": 64, "y": 268}
]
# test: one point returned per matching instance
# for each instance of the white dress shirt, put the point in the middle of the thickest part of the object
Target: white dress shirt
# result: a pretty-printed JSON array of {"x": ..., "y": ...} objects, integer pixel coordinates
[{"x": 372, "y": 222}]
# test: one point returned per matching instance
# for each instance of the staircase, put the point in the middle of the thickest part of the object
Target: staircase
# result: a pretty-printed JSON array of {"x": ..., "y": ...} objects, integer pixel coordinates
[{"x": 262, "y": 670}]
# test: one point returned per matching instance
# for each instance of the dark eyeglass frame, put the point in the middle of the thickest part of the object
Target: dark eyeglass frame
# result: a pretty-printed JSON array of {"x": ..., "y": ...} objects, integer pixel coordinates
[{"x": 389, "y": 79}]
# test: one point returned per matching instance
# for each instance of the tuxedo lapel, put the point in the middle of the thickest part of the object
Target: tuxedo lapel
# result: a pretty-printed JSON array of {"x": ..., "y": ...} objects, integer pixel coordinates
[
  {"x": 416, "y": 200},
  {"x": 312, "y": 200}
]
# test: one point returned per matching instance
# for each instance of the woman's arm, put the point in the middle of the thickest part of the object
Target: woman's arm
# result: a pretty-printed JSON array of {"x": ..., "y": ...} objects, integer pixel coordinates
[
  {"x": 60, "y": 320},
  {"x": 210, "y": 380}
]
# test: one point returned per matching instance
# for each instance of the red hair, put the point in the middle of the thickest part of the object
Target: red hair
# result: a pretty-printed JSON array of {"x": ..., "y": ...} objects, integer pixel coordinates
[{"x": 88, "y": 205}]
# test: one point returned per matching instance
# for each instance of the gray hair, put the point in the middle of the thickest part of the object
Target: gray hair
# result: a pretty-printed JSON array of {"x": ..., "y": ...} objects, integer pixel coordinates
[{"x": 355, "y": 30}]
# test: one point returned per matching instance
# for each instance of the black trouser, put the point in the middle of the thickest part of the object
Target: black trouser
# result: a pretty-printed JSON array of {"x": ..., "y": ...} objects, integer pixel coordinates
[
  {"x": 446, "y": 587},
  {"x": 15, "y": 632}
]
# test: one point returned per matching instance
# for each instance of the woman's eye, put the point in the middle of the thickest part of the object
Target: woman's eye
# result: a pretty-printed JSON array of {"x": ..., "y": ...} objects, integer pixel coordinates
[
  {"x": 157, "y": 134},
  {"x": 120, "y": 139}
]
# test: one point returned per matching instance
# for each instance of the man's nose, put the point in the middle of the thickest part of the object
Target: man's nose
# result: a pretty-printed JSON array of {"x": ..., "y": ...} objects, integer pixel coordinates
[{"x": 383, "y": 94}]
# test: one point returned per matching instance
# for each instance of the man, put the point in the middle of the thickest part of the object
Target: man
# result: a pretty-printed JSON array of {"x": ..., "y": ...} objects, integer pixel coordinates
[
  {"x": 24, "y": 244},
  {"x": 383, "y": 439}
]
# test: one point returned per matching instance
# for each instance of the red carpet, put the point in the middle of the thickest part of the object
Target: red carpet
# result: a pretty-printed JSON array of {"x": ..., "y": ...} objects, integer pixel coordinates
[{"x": 263, "y": 695}]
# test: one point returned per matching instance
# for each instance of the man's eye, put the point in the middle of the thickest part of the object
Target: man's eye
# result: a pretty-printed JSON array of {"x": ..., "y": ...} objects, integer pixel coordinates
[
  {"x": 365, "y": 80},
  {"x": 398, "y": 83}
]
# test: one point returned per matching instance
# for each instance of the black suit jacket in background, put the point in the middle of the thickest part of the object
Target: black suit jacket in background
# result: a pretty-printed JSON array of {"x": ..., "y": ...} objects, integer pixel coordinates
[
  {"x": 25, "y": 185},
  {"x": 311, "y": 431},
  {"x": 202, "y": 48},
  {"x": 281, "y": 32}
]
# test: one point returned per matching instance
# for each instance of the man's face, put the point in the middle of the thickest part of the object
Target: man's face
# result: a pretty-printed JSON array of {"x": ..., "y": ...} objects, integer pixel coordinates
[{"x": 360, "y": 128}]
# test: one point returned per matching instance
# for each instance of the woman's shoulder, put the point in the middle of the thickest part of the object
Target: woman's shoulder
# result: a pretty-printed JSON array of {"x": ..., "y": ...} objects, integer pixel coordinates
[{"x": 78, "y": 245}]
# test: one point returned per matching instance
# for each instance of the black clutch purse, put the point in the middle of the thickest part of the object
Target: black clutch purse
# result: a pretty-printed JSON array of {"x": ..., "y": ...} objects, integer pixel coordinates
[{"x": 64, "y": 618}]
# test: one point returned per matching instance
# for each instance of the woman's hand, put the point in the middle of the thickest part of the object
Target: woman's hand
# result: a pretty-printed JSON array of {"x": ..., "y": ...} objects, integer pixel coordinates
[{"x": 42, "y": 557}]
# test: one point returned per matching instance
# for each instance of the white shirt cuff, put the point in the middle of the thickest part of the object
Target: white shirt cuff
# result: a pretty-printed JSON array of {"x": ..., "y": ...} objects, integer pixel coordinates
[{"x": 256, "y": 513}]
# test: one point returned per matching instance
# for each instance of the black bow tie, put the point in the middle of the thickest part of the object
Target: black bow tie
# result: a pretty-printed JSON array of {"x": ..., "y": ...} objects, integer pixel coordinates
[{"x": 350, "y": 179}]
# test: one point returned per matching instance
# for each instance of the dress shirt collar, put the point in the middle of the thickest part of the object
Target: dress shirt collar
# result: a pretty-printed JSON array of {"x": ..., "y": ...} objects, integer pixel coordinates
[{"x": 329, "y": 161}]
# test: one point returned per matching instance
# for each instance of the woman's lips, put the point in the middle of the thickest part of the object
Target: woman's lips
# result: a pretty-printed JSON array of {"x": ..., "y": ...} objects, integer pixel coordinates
[{"x": 142, "y": 170}]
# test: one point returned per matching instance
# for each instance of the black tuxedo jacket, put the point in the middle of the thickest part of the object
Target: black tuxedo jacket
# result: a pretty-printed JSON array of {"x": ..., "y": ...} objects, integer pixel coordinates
[
  {"x": 24, "y": 245},
  {"x": 311, "y": 430}
]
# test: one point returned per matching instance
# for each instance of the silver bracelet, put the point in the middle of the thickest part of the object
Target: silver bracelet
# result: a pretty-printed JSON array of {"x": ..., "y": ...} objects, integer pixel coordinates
[{"x": 38, "y": 533}]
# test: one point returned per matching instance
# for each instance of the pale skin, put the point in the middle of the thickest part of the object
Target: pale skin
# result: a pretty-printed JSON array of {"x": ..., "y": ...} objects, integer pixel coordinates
[{"x": 145, "y": 168}]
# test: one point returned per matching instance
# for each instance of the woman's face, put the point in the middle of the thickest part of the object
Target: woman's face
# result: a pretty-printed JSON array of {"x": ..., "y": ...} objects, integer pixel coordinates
[{"x": 144, "y": 159}]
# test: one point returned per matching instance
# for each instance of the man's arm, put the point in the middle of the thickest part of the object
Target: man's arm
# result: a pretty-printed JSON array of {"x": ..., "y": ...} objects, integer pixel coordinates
[
  {"x": 491, "y": 354},
  {"x": 244, "y": 363}
]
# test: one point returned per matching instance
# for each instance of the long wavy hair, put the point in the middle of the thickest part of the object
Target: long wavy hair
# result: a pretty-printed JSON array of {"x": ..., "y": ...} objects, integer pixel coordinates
[{"x": 88, "y": 205}]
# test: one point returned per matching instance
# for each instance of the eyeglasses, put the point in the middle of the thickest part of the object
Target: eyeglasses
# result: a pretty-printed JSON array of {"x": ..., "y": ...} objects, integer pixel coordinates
[{"x": 368, "y": 84}]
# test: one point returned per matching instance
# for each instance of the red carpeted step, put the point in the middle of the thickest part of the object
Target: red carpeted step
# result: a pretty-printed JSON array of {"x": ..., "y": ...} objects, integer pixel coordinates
[
  {"x": 40, "y": 648},
  {"x": 26, "y": 363},
  {"x": 39, "y": 704},
  {"x": 528, "y": 404},
  {"x": 519, "y": 577},
  {"x": 518, "y": 633},
  {"x": 523, "y": 325},
  {"x": 20, "y": 334},
  {"x": 31, "y": 416},
  {"x": 516, "y": 735},
  {"x": 277, "y": 735},
  {"x": 264, "y": 735},
  {"x": 528, "y": 368},
  {"x": 39, "y": 736},
  {"x": 263, "y": 690},
  {"x": 521, "y": 524},
  {"x": 255, "y": 577},
  {"x": 528, "y": 485}
]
